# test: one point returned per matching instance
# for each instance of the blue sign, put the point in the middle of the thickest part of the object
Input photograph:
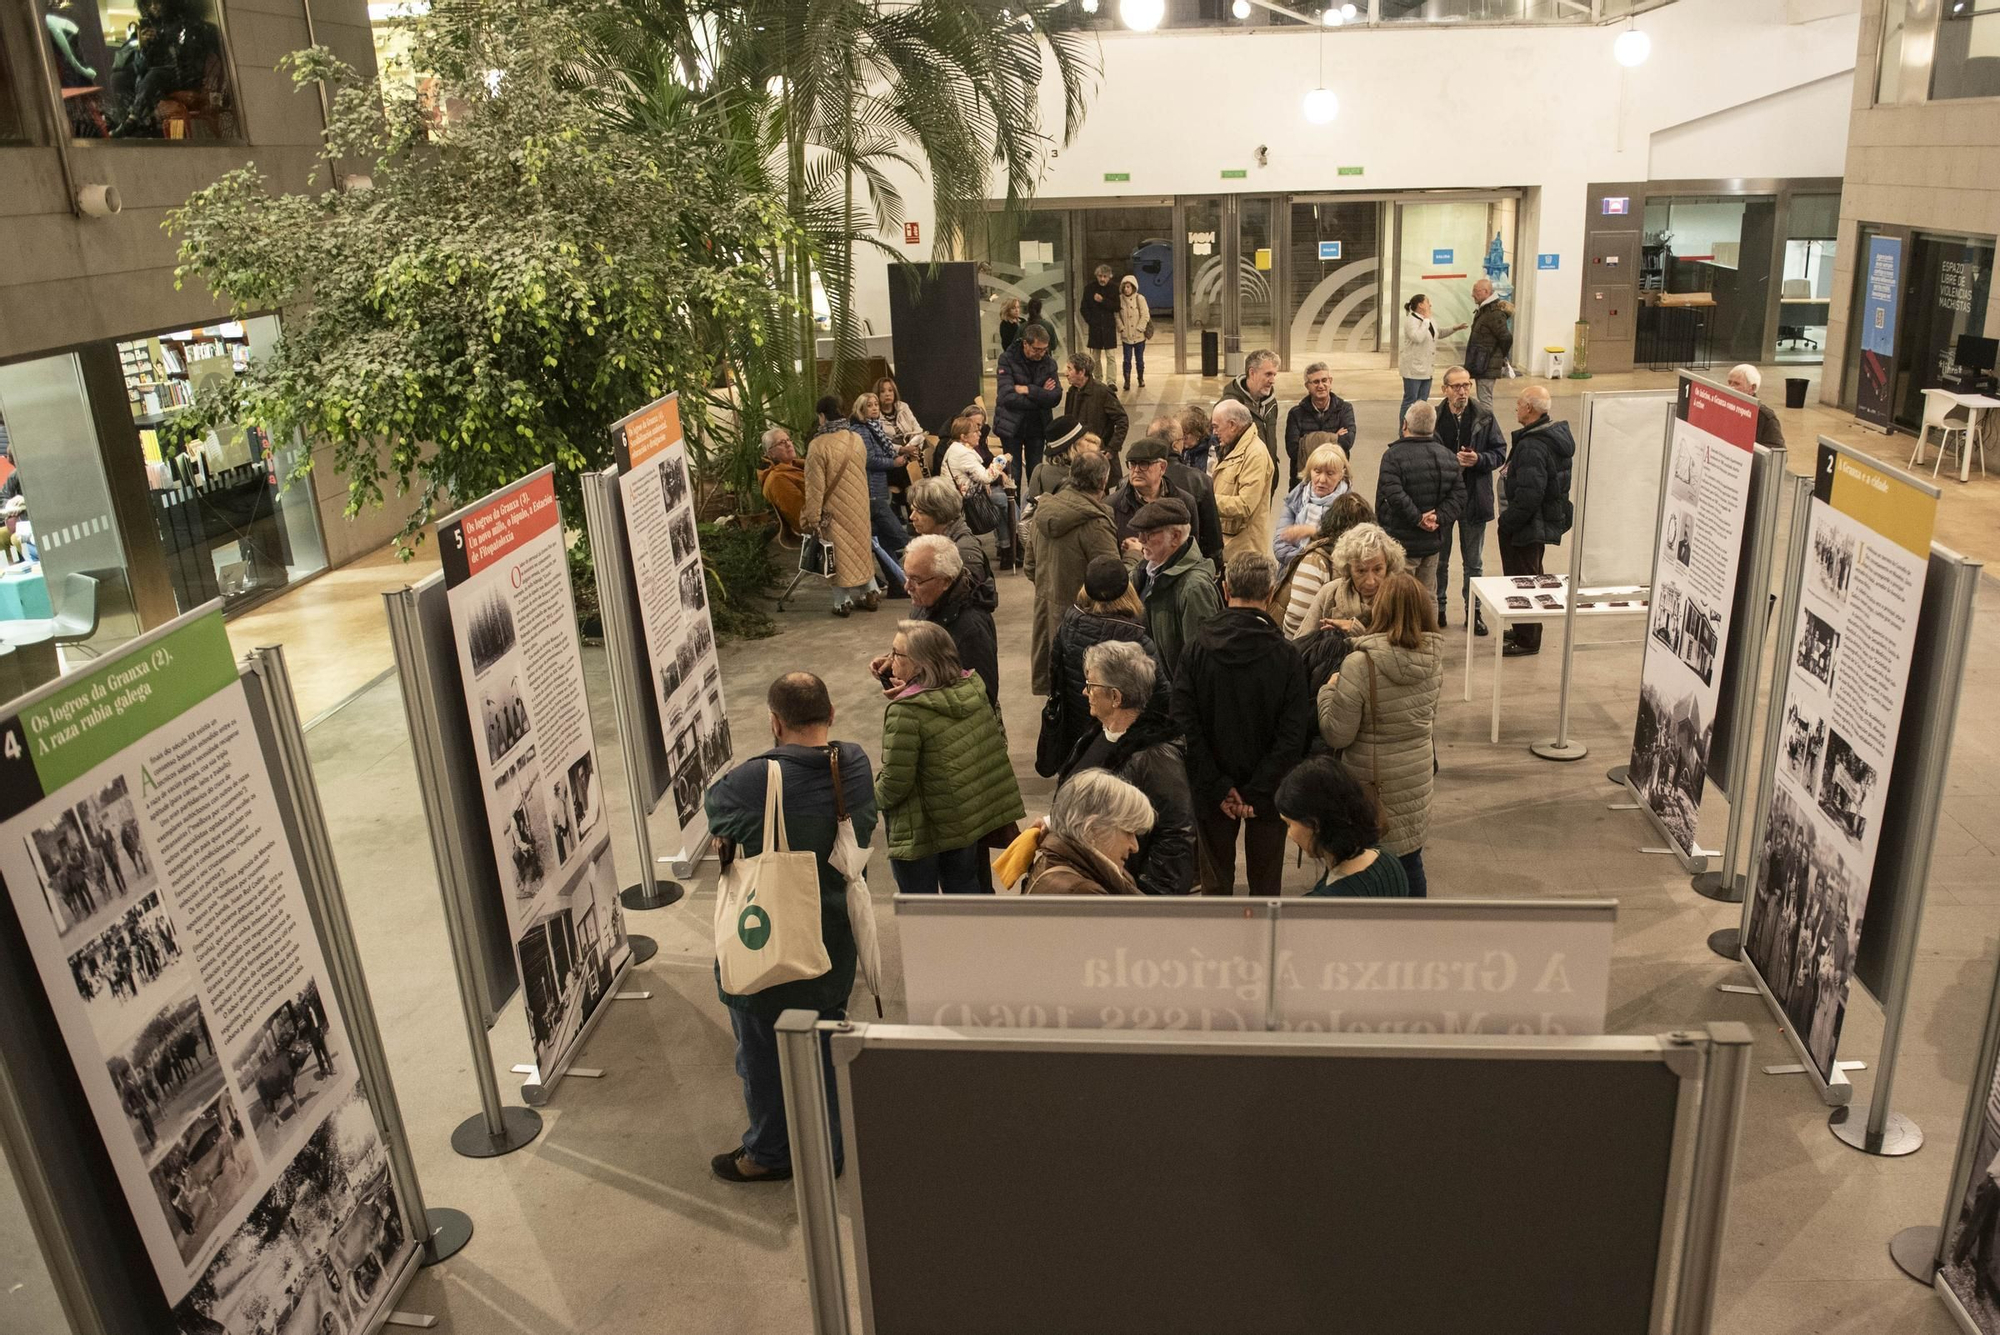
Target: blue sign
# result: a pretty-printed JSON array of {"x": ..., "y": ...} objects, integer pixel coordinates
[
  {"x": 1329, "y": 250},
  {"x": 1440, "y": 257},
  {"x": 1548, "y": 261},
  {"x": 1878, "y": 304}
]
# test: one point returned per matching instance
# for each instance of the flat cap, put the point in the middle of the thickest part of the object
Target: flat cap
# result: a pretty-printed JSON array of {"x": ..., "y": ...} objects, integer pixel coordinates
[
  {"x": 1147, "y": 450},
  {"x": 1164, "y": 513}
]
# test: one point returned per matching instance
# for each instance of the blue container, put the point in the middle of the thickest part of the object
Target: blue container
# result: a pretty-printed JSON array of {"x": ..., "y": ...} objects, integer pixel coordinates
[{"x": 1153, "y": 265}]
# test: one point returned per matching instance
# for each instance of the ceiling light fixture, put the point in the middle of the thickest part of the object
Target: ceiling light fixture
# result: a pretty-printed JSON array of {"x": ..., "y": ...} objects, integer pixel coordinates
[
  {"x": 1241, "y": 9},
  {"x": 1632, "y": 48},
  {"x": 1348, "y": 11},
  {"x": 1331, "y": 18},
  {"x": 1321, "y": 106},
  {"x": 1142, "y": 15},
  {"x": 1089, "y": 6}
]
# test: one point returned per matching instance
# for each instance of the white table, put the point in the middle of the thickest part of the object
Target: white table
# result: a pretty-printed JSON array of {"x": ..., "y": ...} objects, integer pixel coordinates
[
  {"x": 1492, "y": 591},
  {"x": 1975, "y": 406}
]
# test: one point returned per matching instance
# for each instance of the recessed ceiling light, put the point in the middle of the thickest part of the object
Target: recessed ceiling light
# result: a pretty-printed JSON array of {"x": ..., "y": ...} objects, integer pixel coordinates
[{"x": 1142, "y": 15}]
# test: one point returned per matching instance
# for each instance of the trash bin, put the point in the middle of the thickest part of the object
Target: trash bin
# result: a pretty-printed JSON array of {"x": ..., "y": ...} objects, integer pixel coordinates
[
  {"x": 1553, "y": 362},
  {"x": 1795, "y": 391},
  {"x": 1211, "y": 353}
]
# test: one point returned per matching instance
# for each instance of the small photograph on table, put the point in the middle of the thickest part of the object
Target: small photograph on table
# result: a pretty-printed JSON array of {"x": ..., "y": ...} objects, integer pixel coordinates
[
  {"x": 1524, "y": 581},
  {"x": 1518, "y": 602},
  {"x": 1548, "y": 581},
  {"x": 1548, "y": 602}
]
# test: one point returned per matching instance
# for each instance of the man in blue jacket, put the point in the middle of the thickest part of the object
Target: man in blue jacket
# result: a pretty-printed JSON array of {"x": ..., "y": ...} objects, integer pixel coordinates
[
  {"x": 1028, "y": 392},
  {"x": 1538, "y": 506},
  {"x": 1466, "y": 428},
  {"x": 801, "y": 724}
]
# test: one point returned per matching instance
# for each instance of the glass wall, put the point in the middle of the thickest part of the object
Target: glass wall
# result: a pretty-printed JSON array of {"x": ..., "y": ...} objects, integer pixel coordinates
[
  {"x": 1445, "y": 248},
  {"x": 230, "y": 523},
  {"x": 1136, "y": 240},
  {"x": 1334, "y": 275},
  {"x": 1203, "y": 240},
  {"x": 1806, "y": 288},
  {"x": 1889, "y": 56},
  {"x": 1714, "y": 250},
  {"x": 147, "y": 69},
  {"x": 13, "y": 126},
  {"x": 1944, "y": 298},
  {"x": 1965, "y": 59},
  {"x": 1256, "y": 312},
  {"x": 1023, "y": 258}
]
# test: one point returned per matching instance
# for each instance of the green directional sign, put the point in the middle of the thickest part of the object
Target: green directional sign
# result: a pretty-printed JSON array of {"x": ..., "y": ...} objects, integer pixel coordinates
[
  {"x": 1118, "y": 176},
  {"x": 1234, "y": 173},
  {"x": 1350, "y": 171}
]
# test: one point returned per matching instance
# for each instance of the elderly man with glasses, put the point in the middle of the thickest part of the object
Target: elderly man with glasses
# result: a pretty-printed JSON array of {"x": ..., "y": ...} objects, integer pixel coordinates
[
  {"x": 1320, "y": 410},
  {"x": 1467, "y": 428}
]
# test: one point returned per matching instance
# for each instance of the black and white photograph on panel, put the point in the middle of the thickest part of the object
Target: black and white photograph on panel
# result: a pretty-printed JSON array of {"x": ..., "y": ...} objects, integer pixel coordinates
[
  {"x": 126, "y": 970},
  {"x": 673, "y": 480},
  {"x": 92, "y": 857},
  {"x": 715, "y": 738},
  {"x": 1701, "y": 632},
  {"x": 166, "y": 1072},
  {"x": 1832, "y": 561},
  {"x": 1804, "y": 925},
  {"x": 688, "y": 773},
  {"x": 1667, "y": 617},
  {"x": 1844, "y": 787},
  {"x": 530, "y": 845},
  {"x": 577, "y": 807},
  {"x": 291, "y": 1065},
  {"x": 1684, "y": 484},
  {"x": 1971, "y": 1257},
  {"x": 490, "y": 632},
  {"x": 686, "y": 658},
  {"x": 680, "y": 532},
  {"x": 503, "y": 710},
  {"x": 1803, "y": 743},
  {"x": 693, "y": 596},
  {"x": 313, "y": 1254},
  {"x": 203, "y": 1174},
  {"x": 1668, "y": 764},
  {"x": 1679, "y": 544},
  {"x": 566, "y": 961},
  {"x": 1819, "y": 644}
]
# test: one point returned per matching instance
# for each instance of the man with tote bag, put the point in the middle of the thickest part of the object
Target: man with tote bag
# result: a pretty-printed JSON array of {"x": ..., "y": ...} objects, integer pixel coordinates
[{"x": 784, "y": 940}]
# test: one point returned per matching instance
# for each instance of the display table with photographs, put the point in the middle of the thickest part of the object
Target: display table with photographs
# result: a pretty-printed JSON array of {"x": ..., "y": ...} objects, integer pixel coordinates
[{"x": 1506, "y": 599}]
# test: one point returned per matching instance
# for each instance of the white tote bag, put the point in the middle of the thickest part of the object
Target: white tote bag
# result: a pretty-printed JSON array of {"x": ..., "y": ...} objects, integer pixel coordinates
[
  {"x": 767, "y": 928},
  {"x": 851, "y": 861}
]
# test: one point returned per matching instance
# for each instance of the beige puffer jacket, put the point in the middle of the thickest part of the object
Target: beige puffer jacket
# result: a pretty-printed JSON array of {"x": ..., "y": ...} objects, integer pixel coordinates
[
  {"x": 1388, "y": 743},
  {"x": 836, "y": 504},
  {"x": 1336, "y": 601}
]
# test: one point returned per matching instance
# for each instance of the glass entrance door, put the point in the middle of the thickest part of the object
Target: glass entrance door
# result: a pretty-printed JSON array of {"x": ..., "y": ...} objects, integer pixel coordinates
[
  {"x": 1442, "y": 249},
  {"x": 1334, "y": 283},
  {"x": 1197, "y": 278},
  {"x": 1024, "y": 258},
  {"x": 1134, "y": 240}
]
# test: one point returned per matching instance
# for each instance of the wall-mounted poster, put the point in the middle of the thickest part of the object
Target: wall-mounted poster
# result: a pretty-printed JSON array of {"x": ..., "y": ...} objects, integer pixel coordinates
[
  {"x": 1881, "y": 288},
  {"x": 506, "y": 576},
  {"x": 1867, "y": 551},
  {"x": 149, "y": 869},
  {"x": 685, "y": 673},
  {"x": 1694, "y": 587}
]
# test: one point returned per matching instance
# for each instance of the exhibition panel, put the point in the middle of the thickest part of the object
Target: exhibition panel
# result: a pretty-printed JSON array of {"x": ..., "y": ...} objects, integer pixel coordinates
[{"x": 1616, "y": 1222}]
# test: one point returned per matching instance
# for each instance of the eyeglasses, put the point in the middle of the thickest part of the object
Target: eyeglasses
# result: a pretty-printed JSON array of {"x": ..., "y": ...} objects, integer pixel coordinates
[
  {"x": 908, "y": 578},
  {"x": 1097, "y": 686}
]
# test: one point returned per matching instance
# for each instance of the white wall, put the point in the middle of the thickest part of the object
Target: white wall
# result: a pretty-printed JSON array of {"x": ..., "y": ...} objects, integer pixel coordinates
[{"x": 1443, "y": 107}]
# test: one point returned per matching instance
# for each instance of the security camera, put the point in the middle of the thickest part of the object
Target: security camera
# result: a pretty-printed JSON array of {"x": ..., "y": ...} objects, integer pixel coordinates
[{"x": 1263, "y": 155}]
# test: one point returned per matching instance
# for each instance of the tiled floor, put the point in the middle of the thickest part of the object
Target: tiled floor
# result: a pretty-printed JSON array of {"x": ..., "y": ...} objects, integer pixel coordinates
[{"x": 611, "y": 1223}]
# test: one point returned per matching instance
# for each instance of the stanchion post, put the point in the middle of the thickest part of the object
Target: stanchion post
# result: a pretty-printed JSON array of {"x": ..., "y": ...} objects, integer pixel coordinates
[
  {"x": 603, "y": 516},
  {"x": 812, "y": 1166},
  {"x": 41, "y": 1202},
  {"x": 1724, "y": 1084},
  {"x": 1561, "y": 747},
  {"x": 1885, "y": 1132},
  {"x": 445, "y": 1231},
  {"x": 497, "y": 1128}
]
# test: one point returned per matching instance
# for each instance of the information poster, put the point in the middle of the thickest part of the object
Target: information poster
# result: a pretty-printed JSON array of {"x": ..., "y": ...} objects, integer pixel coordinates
[
  {"x": 1971, "y": 1267},
  {"x": 1694, "y": 585},
  {"x": 146, "y": 859},
  {"x": 1874, "y": 400},
  {"x": 1867, "y": 551},
  {"x": 673, "y": 604},
  {"x": 506, "y": 577}
]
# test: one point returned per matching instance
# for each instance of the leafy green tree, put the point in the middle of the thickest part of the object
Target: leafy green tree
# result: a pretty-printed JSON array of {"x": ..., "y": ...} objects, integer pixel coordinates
[{"x": 508, "y": 266}]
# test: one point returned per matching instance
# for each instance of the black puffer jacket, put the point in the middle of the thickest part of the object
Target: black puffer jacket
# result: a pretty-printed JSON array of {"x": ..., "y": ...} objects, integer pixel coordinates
[
  {"x": 1150, "y": 757},
  {"x": 1538, "y": 478},
  {"x": 1079, "y": 631},
  {"x": 966, "y": 613},
  {"x": 1304, "y": 419},
  {"x": 1241, "y": 705},
  {"x": 1419, "y": 475}
]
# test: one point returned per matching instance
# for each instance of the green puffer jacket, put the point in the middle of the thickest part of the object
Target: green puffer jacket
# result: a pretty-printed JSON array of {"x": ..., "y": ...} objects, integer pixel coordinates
[
  {"x": 1391, "y": 748},
  {"x": 945, "y": 779}
]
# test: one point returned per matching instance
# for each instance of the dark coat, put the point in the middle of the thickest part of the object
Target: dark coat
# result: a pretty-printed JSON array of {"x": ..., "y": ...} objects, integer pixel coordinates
[
  {"x": 1071, "y": 530},
  {"x": 1475, "y": 430},
  {"x": 1538, "y": 479},
  {"x": 1769, "y": 431},
  {"x": 1125, "y": 503},
  {"x": 882, "y": 456},
  {"x": 1418, "y": 474},
  {"x": 1491, "y": 339},
  {"x": 1022, "y": 417},
  {"x": 1207, "y": 519},
  {"x": 736, "y": 812},
  {"x": 966, "y": 611},
  {"x": 1180, "y": 600},
  {"x": 970, "y": 551},
  {"x": 1080, "y": 631},
  {"x": 1100, "y": 317},
  {"x": 1241, "y": 705},
  {"x": 1096, "y": 408},
  {"x": 1151, "y": 758},
  {"x": 1304, "y": 419},
  {"x": 1263, "y": 412}
]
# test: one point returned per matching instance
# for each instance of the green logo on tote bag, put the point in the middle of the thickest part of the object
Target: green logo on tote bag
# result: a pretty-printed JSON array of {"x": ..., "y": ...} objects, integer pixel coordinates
[{"x": 753, "y": 927}]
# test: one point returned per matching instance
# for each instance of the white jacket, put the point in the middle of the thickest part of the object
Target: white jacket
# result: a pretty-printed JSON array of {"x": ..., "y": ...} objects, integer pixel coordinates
[
  {"x": 1417, "y": 359},
  {"x": 1134, "y": 313}
]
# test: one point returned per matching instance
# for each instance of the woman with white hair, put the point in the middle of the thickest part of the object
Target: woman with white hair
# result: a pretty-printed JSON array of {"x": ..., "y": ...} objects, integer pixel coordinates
[
  {"x": 1094, "y": 825},
  {"x": 1325, "y": 482},
  {"x": 1133, "y": 736},
  {"x": 1364, "y": 557}
]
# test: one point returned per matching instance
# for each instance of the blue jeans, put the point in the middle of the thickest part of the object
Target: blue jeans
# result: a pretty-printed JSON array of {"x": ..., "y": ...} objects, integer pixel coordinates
[
  {"x": 891, "y": 537},
  {"x": 1135, "y": 352},
  {"x": 768, "y": 1142},
  {"x": 1471, "y": 547},
  {"x": 1413, "y": 870},
  {"x": 955, "y": 871},
  {"x": 1414, "y": 391}
]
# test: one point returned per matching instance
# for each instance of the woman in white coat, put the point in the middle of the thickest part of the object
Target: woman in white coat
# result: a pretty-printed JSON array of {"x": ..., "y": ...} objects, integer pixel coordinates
[
  {"x": 1418, "y": 356},
  {"x": 1134, "y": 314}
]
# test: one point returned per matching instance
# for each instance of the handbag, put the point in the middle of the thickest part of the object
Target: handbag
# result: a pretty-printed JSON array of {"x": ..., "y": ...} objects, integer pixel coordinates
[
  {"x": 1049, "y": 752},
  {"x": 767, "y": 925},
  {"x": 981, "y": 516},
  {"x": 816, "y": 556},
  {"x": 852, "y": 863}
]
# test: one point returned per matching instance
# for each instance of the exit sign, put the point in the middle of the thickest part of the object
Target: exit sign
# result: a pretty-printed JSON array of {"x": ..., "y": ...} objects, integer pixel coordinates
[
  {"x": 1118, "y": 176},
  {"x": 910, "y": 234},
  {"x": 1350, "y": 171},
  {"x": 1234, "y": 173}
]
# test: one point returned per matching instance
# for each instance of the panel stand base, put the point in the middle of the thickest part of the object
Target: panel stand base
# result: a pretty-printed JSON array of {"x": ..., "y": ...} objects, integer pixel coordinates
[
  {"x": 1914, "y": 1251},
  {"x": 450, "y": 1230},
  {"x": 1570, "y": 750},
  {"x": 415, "y": 1319},
  {"x": 1617, "y": 774},
  {"x": 520, "y": 1126},
  {"x": 1728, "y": 943},
  {"x": 643, "y": 947},
  {"x": 1901, "y": 1136},
  {"x": 665, "y": 893},
  {"x": 1724, "y": 890}
]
